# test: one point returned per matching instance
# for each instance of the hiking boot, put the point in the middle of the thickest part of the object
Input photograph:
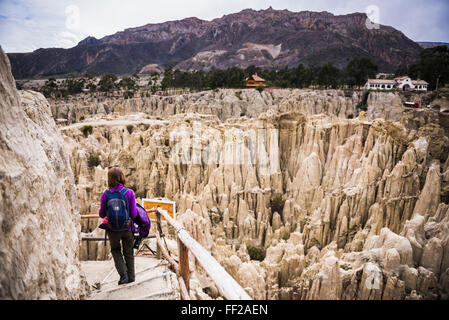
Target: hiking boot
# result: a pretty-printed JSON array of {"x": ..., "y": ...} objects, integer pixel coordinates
[
  {"x": 131, "y": 278},
  {"x": 123, "y": 279}
]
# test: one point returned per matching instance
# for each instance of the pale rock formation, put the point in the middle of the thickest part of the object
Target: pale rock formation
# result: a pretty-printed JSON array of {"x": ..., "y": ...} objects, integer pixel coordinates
[
  {"x": 384, "y": 105},
  {"x": 363, "y": 216},
  {"x": 39, "y": 214},
  {"x": 224, "y": 103}
]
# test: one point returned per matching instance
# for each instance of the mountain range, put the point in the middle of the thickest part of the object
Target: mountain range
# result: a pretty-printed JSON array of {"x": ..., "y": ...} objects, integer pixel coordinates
[
  {"x": 265, "y": 38},
  {"x": 427, "y": 45}
]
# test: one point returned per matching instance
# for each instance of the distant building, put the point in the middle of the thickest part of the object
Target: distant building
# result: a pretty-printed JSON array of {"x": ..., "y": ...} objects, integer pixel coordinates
[
  {"x": 407, "y": 84},
  {"x": 420, "y": 85},
  {"x": 400, "y": 83},
  {"x": 255, "y": 81},
  {"x": 380, "y": 84}
]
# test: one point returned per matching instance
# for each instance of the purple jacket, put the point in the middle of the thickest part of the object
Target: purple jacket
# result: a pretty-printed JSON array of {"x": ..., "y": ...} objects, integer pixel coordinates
[{"x": 129, "y": 197}]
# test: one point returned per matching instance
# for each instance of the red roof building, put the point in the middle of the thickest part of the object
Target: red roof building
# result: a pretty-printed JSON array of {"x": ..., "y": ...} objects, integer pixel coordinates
[{"x": 255, "y": 81}]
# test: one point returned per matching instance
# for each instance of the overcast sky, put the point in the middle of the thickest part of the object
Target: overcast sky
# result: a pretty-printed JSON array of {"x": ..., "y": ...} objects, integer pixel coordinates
[{"x": 26, "y": 25}]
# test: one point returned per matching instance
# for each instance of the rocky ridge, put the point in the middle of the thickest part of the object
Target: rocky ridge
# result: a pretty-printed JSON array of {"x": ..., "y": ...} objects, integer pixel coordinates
[
  {"x": 223, "y": 103},
  {"x": 266, "y": 38}
]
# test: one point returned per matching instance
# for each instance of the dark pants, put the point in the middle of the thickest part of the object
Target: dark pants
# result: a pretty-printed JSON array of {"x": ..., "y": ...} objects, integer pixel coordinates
[{"x": 117, "y": 239}]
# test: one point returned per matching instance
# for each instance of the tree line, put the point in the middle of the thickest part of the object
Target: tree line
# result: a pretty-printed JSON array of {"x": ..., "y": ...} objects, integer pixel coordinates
[
  {"x": 432, "y": 67},
  {"x": 326, "y": 76}
]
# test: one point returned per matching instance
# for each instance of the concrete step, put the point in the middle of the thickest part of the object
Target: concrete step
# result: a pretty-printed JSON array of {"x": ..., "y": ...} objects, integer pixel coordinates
[
  {"x": 154, "y": 281},
  {"x": 157, "y": 285},
  {"x": 141, "y": 275}
]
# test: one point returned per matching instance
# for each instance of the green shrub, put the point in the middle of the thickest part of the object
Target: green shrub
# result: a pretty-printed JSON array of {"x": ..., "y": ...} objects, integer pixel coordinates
[
  {"x": 277, "y": 204},
  {"x": 260, "y": 88},
  {"x": 86, "y": 130},
  {"x": 94, "y": 160},
  {"x": 363, "y": 105},
  {"x": 238, "y": 95},
  {"x": 128, "y": 94},
  {"x": 256, "y": 253}
]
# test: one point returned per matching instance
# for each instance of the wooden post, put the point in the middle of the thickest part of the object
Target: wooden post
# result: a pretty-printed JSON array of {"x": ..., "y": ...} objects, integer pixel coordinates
[
  {"x": 158, "y": 251},
  {"x": 158, "y": 231},
  {"x": 184, "y": 268}
]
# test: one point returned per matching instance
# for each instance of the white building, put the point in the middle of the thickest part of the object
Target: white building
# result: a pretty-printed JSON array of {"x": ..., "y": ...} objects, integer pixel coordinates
[
  {"x": 399, "y": 83},
  {"x": 420, "y": 85},
  {"x": 380, "y": 84}
]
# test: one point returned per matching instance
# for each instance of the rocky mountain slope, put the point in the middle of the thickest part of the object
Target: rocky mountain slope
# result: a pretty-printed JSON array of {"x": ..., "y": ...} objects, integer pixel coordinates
[
  {"x": 39, "y": 217},
  {"x": 266, "y": 38},
  {"x": 365, "y": 212}
]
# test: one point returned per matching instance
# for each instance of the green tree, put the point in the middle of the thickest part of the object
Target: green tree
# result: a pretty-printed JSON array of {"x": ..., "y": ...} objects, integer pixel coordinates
[
  {"x": 252, "y": 69},
  {"x": 50, "y": 88},
  {"x": 359, "y": 70},
  {"x": 73, "y": 84},
  {"x": 107, "y": 82},
  {"x": 433, "y": 66},
  {"x": 127, "y": 83},
  {"x": 92, "y": 87},
  {"x": 303, "y": 76},
  {"x": 328, "y": 76},
  {"x": 402, "y": 70},
  {"x": 91, "y": 75},
  {"x": 167, "y": 81},
  {"x": 216, "y": 78}
]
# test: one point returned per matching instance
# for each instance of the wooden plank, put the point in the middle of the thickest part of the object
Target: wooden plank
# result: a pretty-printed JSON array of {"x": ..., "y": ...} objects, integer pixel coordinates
[
  {"x": 158, "y": 251},
  {"x": 92, "y": 239},
  {"x": 151, "y": 205},
  {"x": 175, "y": 224},
  {"x": 184, "y": 269},
  {"x": 182, "y": 287},
  {"x": 90, "y": 216},
  {"x": 165, "y": 254},
  {"x": 227, "y": 286}
]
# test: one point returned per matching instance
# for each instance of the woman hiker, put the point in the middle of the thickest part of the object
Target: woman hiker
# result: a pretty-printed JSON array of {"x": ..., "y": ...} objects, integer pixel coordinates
[{"x": 118, "y": 207}]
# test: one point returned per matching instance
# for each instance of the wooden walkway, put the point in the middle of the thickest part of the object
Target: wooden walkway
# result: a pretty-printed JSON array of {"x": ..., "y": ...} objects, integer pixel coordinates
[
  {"x": 161, "y": 276},
  {"x": 154, "y": 280}
]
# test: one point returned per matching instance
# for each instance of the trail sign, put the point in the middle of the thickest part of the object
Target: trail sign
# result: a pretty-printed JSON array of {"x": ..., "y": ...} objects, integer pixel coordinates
[{"x": 167, "y": 205}]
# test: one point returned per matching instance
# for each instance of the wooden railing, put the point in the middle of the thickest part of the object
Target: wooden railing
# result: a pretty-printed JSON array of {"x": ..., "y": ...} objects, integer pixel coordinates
[{"x": 227, "y": 286}]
